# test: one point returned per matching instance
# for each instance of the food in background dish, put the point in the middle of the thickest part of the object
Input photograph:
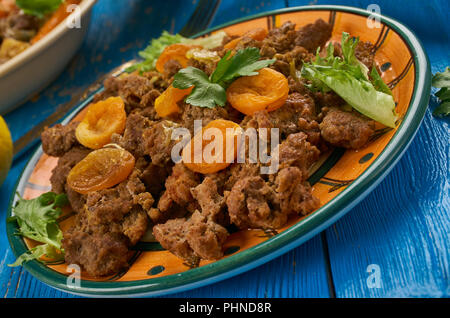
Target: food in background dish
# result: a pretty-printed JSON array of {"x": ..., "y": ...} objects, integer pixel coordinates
[{"x": 25, "y": 22}]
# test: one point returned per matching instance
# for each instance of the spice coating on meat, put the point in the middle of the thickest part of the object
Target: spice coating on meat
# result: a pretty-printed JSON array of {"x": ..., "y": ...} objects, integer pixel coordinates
[
  {"x": 59, "y": 175},
  {"x": 252, "y": 203},
  {"x": 313, "y": 35},
  {"x": 296, "y": 151},
  {"x": 131, "y": 140},
  {"x": 346, "y": 129},
  {"x": 59, "y": 139},
  {"x": 192, "y": 239}
]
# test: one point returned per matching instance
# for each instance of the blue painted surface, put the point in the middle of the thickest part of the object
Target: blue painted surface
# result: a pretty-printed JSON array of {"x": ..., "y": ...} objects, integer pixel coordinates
[{"x": 402, "y": 227}]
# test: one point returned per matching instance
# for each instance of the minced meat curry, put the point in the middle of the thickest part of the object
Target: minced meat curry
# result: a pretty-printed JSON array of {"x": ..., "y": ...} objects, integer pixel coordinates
[{"x": 191, "y": 207}]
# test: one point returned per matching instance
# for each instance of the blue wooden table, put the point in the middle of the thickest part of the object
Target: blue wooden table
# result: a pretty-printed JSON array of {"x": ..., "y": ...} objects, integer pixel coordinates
[{"x": 395, "y": 243}]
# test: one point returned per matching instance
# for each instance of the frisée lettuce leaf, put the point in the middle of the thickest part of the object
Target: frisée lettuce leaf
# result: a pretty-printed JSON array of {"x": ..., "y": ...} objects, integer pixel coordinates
[
  {"x": 349, "y": 78},
  {"x": 37, "y": 220}
]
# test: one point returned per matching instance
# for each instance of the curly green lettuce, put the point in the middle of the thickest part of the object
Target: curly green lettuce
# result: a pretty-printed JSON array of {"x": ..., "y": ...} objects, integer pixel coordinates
[
  {"x": 349, "y": 78},
  {"x": 152, "y": 52},
  {"x": 37, "y": 220}
]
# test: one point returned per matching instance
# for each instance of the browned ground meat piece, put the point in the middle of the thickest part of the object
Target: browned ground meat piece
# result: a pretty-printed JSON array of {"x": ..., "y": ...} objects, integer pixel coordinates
[
  {"x": 364, "y": 53},
  {"x": 137, "y": 91},
  {"x": 171, "y": 68},
  {"x": 205, "y": 236},
  {"x": 99, "y": 254},
  {"x": 157, "y": 142},
  {"x": 111, "y": 221},
  {"x": 76, "y": 200},
  {"x": 134, "y": 225},
  {"x": 178, "y": 189},
  {"x": 296, "y": 151},
  {"x": 293, "y": 193},
  {"x": 191, "y": 113},
  {"x": 61, "y": 171},
  {"x": 208, "y": 68},
  {"x": 246, "y": 42},
  {"x": 131, "y": 139},
  {"x": 313, "y": 35},
  {"x": 212, "y": 204},
  {"x": 298, "y": 114},
  {"x": 192, "y": 239},
  {"x": 252, "y": 203},
  {"x": 172, "y": 236},
  {"x": 65, "y": 164},
  {"x": 297, "y": 55},
  {"x": 279, "y": 40},
  {"x": 330, "y": 99},
  {"x": 346, "y": 129},
  {"x": 240, "y": 171},
  {"x": 259, "y": 119},
  {"x": 255, "y": 203},
  {"x": 154, "y": 177},
  {"x": 110, "y": 205},
  {"x": 59, "y": 139}
]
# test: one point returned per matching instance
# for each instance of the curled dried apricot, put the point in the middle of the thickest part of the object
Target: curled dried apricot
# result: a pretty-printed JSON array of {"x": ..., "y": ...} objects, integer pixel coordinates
[
  {"x": 214, "y": 148},
  {"x": 166, "y": 103},
  {"x": 268, "y": 90},
  {"x": 101, "y": 169},
  {"x": 102, "y": 119},
  {"x": 174, "y": 52},
  {"x": 256, "y": 34}
]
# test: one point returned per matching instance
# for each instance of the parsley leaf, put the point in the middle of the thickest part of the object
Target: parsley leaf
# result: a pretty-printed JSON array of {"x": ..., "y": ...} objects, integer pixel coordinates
[
  {"x": 442, "y": 81},
  {"x": 244, "y": 63},
  {"x": 37, "y": 220},
  {"x": 38, "y": 8},
  {"x": 205, "y": 93},
  {"x": 209, "y": 92}
]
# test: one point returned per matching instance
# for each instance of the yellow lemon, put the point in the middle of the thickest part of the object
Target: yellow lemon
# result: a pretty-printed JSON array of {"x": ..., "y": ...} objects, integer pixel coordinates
[{"x": 6, "y": 150}]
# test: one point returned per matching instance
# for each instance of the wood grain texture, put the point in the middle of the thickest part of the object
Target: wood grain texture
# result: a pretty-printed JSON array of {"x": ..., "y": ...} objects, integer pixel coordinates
[{"x": 402, "y": 226}]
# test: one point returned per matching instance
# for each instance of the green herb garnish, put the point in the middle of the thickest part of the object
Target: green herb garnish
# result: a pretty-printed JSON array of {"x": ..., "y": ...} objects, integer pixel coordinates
[
  {"x": 442, "y": 81},
  {"x": 37, "y": 220},
  {"x": 211, "y": 91},
  {"x": 349, "y": 78},
  {"x": 152, "y": 52},
  {"x": 38, "y": 8}
]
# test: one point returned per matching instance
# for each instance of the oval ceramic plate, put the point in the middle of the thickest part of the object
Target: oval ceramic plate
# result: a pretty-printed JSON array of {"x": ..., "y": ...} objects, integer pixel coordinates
[{"x": 341, "y": 181}]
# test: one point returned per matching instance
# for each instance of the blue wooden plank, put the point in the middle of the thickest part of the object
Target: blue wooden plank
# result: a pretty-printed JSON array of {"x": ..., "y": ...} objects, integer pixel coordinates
[
  {"x": 403, "y": 227},
  {"x": 299, "y": 273}
]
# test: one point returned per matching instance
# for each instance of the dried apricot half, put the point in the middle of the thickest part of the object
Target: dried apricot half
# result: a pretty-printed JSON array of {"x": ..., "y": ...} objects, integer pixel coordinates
[
  {"x": 214, "y": 148},
  {"x": 102, "y": 119},
  {"x": 268, "y": 90},
  {"x": 166, "y": 103},
  {"x": 256, "y": 34},
  {"x": 101, "y": 169},
  {"x": 174, "y": 52}
]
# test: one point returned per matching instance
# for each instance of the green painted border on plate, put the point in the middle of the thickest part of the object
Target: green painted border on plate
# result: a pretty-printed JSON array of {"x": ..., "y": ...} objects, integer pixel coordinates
[{"x": 288, "y": 239}]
